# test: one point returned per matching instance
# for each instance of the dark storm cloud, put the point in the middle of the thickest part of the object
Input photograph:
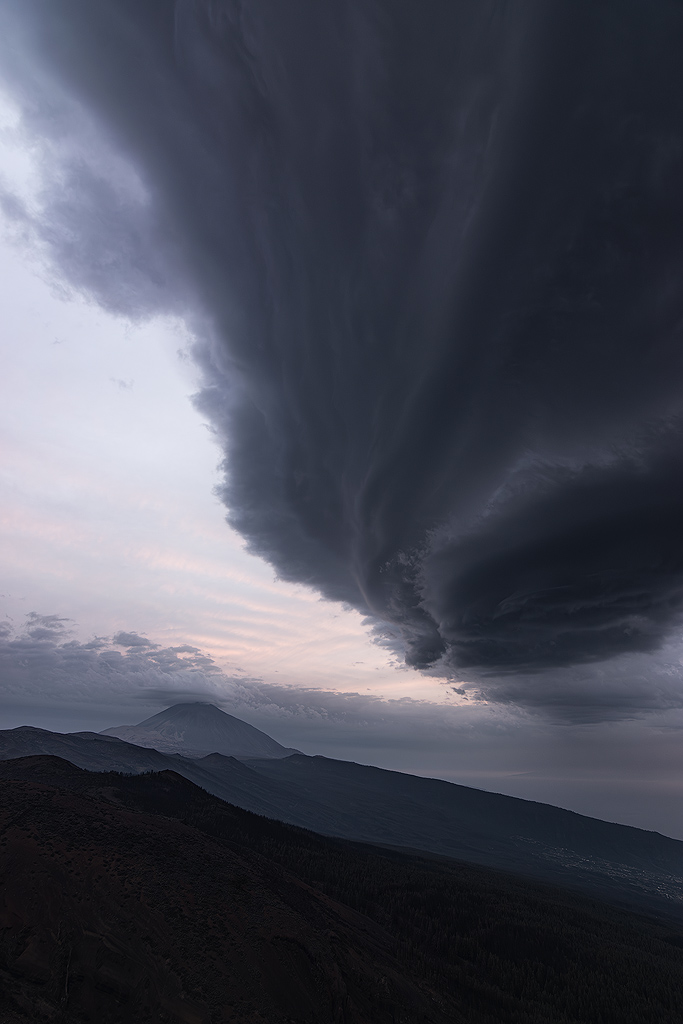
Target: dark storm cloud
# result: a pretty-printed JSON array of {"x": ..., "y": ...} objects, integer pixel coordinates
[{"x": 435, "y": 253}]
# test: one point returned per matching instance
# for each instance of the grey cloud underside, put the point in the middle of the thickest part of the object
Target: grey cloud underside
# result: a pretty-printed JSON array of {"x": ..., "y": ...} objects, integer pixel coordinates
[
  {"x": 436, "y": 251},
  {"x": 42, "y": 661}
]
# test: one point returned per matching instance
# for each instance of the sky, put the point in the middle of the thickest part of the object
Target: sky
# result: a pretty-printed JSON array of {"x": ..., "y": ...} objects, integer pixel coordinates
[{"x": 342, "y": 381}]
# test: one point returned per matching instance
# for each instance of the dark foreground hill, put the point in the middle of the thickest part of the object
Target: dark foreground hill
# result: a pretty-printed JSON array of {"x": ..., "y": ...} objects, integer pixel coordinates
[
  {"x": 141, "y": 898},
  {"x": 200, "y": 728},
  {"x": 628, "y": 866},
  {"x": 111, "y": 913}
]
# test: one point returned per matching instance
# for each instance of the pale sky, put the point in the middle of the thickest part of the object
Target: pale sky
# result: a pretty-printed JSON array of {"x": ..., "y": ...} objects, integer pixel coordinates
[{"x": 108, "y": 511}]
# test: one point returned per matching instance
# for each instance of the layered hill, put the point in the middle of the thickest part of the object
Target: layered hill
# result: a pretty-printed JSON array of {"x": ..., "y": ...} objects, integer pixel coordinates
[
  {"x": 89, "y": 750},
  {"x": 628, "y": 866},
  {"x": 142, "y": 898},
  {"x": 617, "y": 862},
  {"x": 197, "y": 729}
]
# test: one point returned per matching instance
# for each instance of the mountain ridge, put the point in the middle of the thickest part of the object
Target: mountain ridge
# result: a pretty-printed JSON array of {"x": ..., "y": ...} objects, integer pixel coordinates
[{"x": 198, "y": 728}]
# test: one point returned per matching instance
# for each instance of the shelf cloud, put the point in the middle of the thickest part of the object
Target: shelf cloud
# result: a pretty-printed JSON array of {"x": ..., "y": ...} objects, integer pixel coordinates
[{"x": 432, "y": 255}]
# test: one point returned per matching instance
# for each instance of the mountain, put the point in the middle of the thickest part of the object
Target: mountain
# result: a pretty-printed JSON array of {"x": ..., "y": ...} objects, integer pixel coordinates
[
  {"x": 142, "y": 898},
  {"x": 196, "y": 729},
  {"x": 627, "y": 866}
]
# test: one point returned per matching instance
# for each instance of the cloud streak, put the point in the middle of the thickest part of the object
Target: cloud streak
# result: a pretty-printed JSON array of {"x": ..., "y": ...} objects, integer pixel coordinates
[{"x": 432, "y": 254}]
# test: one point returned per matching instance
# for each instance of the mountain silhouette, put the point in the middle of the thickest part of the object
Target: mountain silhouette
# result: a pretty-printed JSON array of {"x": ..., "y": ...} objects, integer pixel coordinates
[{"x": 197, "y": 729}]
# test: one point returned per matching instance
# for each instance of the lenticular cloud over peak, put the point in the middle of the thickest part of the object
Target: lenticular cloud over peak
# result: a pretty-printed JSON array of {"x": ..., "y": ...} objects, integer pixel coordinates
[{"x": 433, "y": 252}]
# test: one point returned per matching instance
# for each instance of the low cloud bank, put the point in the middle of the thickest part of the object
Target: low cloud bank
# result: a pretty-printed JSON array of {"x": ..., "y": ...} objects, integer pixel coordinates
[{"x": 43, "y": 665}]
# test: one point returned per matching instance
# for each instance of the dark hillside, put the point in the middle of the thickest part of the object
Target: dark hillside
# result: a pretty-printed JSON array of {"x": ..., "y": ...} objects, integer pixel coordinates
[
  {"x": 216, "y": 889},
  {"x": 116, "y": 915},
  {"x": 630, "y": 867}
]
